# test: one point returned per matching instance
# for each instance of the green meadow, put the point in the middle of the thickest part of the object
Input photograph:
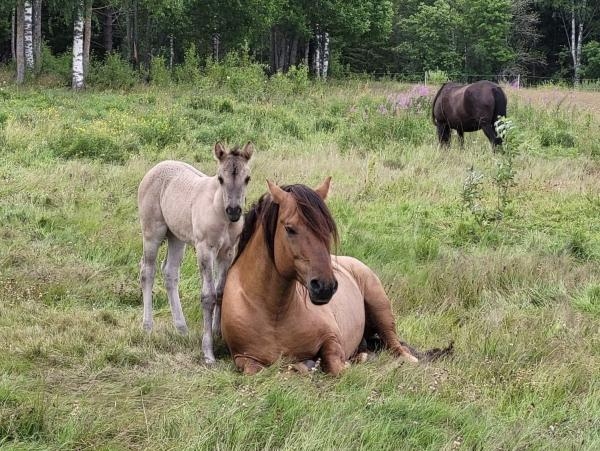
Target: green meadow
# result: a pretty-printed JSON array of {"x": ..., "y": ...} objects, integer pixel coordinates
[{"x": 498, "y": 252}]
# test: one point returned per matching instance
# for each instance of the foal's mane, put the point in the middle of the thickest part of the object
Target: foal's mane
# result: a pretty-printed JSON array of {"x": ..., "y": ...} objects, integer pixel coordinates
[{"x": 311, "y": 208}]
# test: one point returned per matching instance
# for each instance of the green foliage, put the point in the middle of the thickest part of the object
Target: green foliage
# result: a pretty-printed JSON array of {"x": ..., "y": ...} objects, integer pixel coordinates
[
  {"x": 436, "y": 77},
  {"x": 112, "y": 73},
  {"x": 239, "y": 74},
  {"x": 591, "y": 61},
  {"x": 294, "y": 81},
  {"x": 189, "y": 71},
  {"x": 59, "y": 66},
  {"x": 82, "y": 143},
  {"x": 159, "y": 73}
]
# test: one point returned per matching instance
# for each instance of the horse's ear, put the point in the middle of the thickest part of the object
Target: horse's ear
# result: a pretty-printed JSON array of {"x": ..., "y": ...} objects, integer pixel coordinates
[
  {"x": 219, "y": 151},
  {"x": 279, "y": 196},
  {"x": 247, "y": 150},
  {"x": 323, "y": 189}
]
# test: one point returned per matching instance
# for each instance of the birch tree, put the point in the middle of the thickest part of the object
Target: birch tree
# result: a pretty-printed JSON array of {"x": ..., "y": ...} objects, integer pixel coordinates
[
  {"x": 19, "y": 44},
  {"x": 28, "y": 34},
  {"x": 78, "y": 81}
]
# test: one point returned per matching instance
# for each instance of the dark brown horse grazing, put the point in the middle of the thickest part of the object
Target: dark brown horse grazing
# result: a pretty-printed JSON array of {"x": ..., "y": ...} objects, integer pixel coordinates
[
  {"x": 286, "y": 296},
  {"x": 468, "y": 108}
]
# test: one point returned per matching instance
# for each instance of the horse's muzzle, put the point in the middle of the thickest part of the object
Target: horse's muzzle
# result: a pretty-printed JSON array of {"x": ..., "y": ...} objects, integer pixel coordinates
[
  {"x": 321, "y": 292},
  {"x": 233, "y": 213}
]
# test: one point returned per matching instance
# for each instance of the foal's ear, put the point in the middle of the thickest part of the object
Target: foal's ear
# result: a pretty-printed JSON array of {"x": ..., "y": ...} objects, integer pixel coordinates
[
  {"x": 279, "y": 196},
  {"x": 219, "y": 151},
  {"x": 247, "y": 150},
  {"x": 323, "y": 189}
]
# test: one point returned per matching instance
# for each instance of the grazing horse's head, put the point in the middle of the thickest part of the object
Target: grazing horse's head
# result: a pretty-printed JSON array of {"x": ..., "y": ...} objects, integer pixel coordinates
[
  {"x": 302, "y": 230},
  {"x": 233, "y": 175}
]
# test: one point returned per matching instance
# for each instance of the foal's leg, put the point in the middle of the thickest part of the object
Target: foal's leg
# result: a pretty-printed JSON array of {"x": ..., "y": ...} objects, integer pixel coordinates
[
  {"x": 206, "y": 261},
  {"x": 147, "y": 272},
  {"x": 224, "y": 260},
  {"x": 170, "y": 269}
]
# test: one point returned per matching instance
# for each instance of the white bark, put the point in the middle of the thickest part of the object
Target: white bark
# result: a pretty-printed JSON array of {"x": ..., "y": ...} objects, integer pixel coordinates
[
  {"x": 317, "y": 58},
  {"x": 78, "y": 79},
  {"x": 325, "y": 55},
  {"x": 171, "y": 52},
  {"x": 28, "y": 34}
]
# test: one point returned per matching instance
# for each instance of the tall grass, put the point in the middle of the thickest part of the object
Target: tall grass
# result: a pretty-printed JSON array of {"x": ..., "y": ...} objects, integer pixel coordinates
[{"x": 519, "y": 296}]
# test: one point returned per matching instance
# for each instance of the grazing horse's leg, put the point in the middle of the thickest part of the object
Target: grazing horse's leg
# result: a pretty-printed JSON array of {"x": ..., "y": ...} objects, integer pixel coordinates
[
  {"x": 147, "y": 272},
  {"x": 224, "y": 260},
  {"x": 443, "y": 132},
  {"x": 171, "y": 272},
  {"x": 206, "y": 261},
  {"x": 461, "y": 138},
  {"x": 490, "y": 133},
  {"x": 332, "y": 356}
]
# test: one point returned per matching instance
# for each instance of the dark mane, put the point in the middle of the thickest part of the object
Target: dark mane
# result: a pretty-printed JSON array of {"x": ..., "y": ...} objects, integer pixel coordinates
[{"x": 311, "y": 207}]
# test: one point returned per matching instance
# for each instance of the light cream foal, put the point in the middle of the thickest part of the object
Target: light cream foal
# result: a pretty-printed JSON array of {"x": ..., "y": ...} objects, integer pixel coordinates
[{"x": 181, "y": 204}]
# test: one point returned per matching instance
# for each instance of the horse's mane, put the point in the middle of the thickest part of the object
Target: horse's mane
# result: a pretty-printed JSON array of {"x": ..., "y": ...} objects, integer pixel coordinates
[
  {"x": 311, "y": 208},
  {"x": 436, "y": 97}
]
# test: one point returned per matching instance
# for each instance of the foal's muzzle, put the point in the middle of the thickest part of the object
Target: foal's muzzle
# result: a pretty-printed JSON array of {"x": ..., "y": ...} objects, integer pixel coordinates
[
  {"x": 321, "y": 292},
  {"x": 233, "y": 213}
]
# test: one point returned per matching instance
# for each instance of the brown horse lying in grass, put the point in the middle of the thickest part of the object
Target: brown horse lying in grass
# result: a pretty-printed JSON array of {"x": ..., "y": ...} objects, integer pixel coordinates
[{"x": 286, "y": 296}]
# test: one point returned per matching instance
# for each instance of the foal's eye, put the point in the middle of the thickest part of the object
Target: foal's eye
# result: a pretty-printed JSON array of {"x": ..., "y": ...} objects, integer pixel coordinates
[
  {"x": 247, "y": 180},
  {"x": 220, "y": 180},
  {"x": 290, "y": 230}
]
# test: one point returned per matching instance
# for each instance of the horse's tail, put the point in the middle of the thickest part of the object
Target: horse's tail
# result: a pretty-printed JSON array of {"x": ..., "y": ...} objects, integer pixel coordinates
[
  {"x": 499, "y": 102},
  {"x": 431, "y": 354},
  {"x": 434, "y": 100}
]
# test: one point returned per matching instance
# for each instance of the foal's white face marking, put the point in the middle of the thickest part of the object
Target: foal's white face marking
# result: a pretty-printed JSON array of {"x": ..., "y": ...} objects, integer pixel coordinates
[{"x": 233, "y": 175}]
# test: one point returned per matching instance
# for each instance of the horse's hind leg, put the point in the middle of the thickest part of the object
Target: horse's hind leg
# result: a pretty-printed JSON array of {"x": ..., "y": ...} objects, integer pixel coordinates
[
  {"x": 170, "y": 269},
  {"x": 443, "y": 132},
  {"x": 490, "y": 134},
  {"x": 461, "y": 138},
  {"x": 379, "y": 310},
  {"x": 147, "y": 272}
]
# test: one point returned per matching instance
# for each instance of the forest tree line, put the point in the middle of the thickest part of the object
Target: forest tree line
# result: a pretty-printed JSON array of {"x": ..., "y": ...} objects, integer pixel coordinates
[{"x": 536, "y": 39}]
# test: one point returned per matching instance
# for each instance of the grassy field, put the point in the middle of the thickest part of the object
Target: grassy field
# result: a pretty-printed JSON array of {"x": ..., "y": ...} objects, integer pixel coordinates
[{"x": 517, "y": 290}]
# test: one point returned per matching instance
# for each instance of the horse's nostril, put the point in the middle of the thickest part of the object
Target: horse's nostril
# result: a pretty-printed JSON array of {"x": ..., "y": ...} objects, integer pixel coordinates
[
  {"x": 335, "y": 285},
  {"x": 315, "y": 284}
]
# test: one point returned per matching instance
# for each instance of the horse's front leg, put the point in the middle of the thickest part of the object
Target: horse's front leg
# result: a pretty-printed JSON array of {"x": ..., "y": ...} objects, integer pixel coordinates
[
  {"x": 224, "y": 260},
  {"x": 332, "y": 356},
  {"x": 206, "y": 261}
]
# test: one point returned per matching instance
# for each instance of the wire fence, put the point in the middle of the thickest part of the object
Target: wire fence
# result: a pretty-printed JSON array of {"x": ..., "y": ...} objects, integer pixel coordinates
[{"x": 515, "y": 80}]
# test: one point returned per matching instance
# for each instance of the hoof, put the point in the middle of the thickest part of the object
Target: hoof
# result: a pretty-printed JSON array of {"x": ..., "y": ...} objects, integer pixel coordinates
[
  {"x": 182, "y": 329},
  {"x": 210, "y": 361},
  {"x": 410, "y": 358}
]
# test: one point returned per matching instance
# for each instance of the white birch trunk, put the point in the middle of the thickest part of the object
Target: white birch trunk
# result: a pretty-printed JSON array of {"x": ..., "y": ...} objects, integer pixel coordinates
[
  {"x": 325, "y": 55},
  {"x": 28, "y": 34},
  {"x": 317, "y": 58},
  {"x": 78, "y": 79},
  {"x": 19, "y": 52},
  {"x": 171, "y": 52}
]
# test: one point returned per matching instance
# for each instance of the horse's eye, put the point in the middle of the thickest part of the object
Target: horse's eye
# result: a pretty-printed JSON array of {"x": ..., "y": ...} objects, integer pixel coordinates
[
  {"x": 290, "y": 230},
  {"x": 247, "y": 180},
  {"x": 220, "y": 180}
]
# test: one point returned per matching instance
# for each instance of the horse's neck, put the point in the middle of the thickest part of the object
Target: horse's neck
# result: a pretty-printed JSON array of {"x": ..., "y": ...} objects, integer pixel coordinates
[{"x": 262, "y": 283}]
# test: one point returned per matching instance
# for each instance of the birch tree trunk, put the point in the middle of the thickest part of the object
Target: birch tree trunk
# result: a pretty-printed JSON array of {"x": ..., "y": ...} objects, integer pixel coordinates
[
  {"x": 78, "y": 75},
  {"x": 216, "y": 43},
  {"x": 317, "y": 56},
  {"x": 87, "y": 36},
  {"x": 13, "y": 38},
  {"x": 325, "y": 55},
  {"x": 37, "y": 35},
  {"x": 171, "y": 52},
  {"x": 19, "y": 44},
  {"x": 28, "y": 34}
]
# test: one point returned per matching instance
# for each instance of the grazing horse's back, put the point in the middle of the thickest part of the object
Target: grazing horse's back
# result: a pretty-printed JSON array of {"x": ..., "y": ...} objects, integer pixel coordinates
[{"x": 468, "y": 108}]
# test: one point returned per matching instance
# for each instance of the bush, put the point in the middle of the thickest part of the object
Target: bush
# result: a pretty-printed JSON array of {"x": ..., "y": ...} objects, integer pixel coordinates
[
  {"x": 189, "y": 71},
  {"x": 159, "y": 73},
  {"x": 113, "y": 73},
  {"x": 237, "y": 72},
  {"x": 57, "y": 66},
  {"x": 555, "y": 137},
  {"x": 82, "y": 143},
  {"x": 436, "y": 77}
]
